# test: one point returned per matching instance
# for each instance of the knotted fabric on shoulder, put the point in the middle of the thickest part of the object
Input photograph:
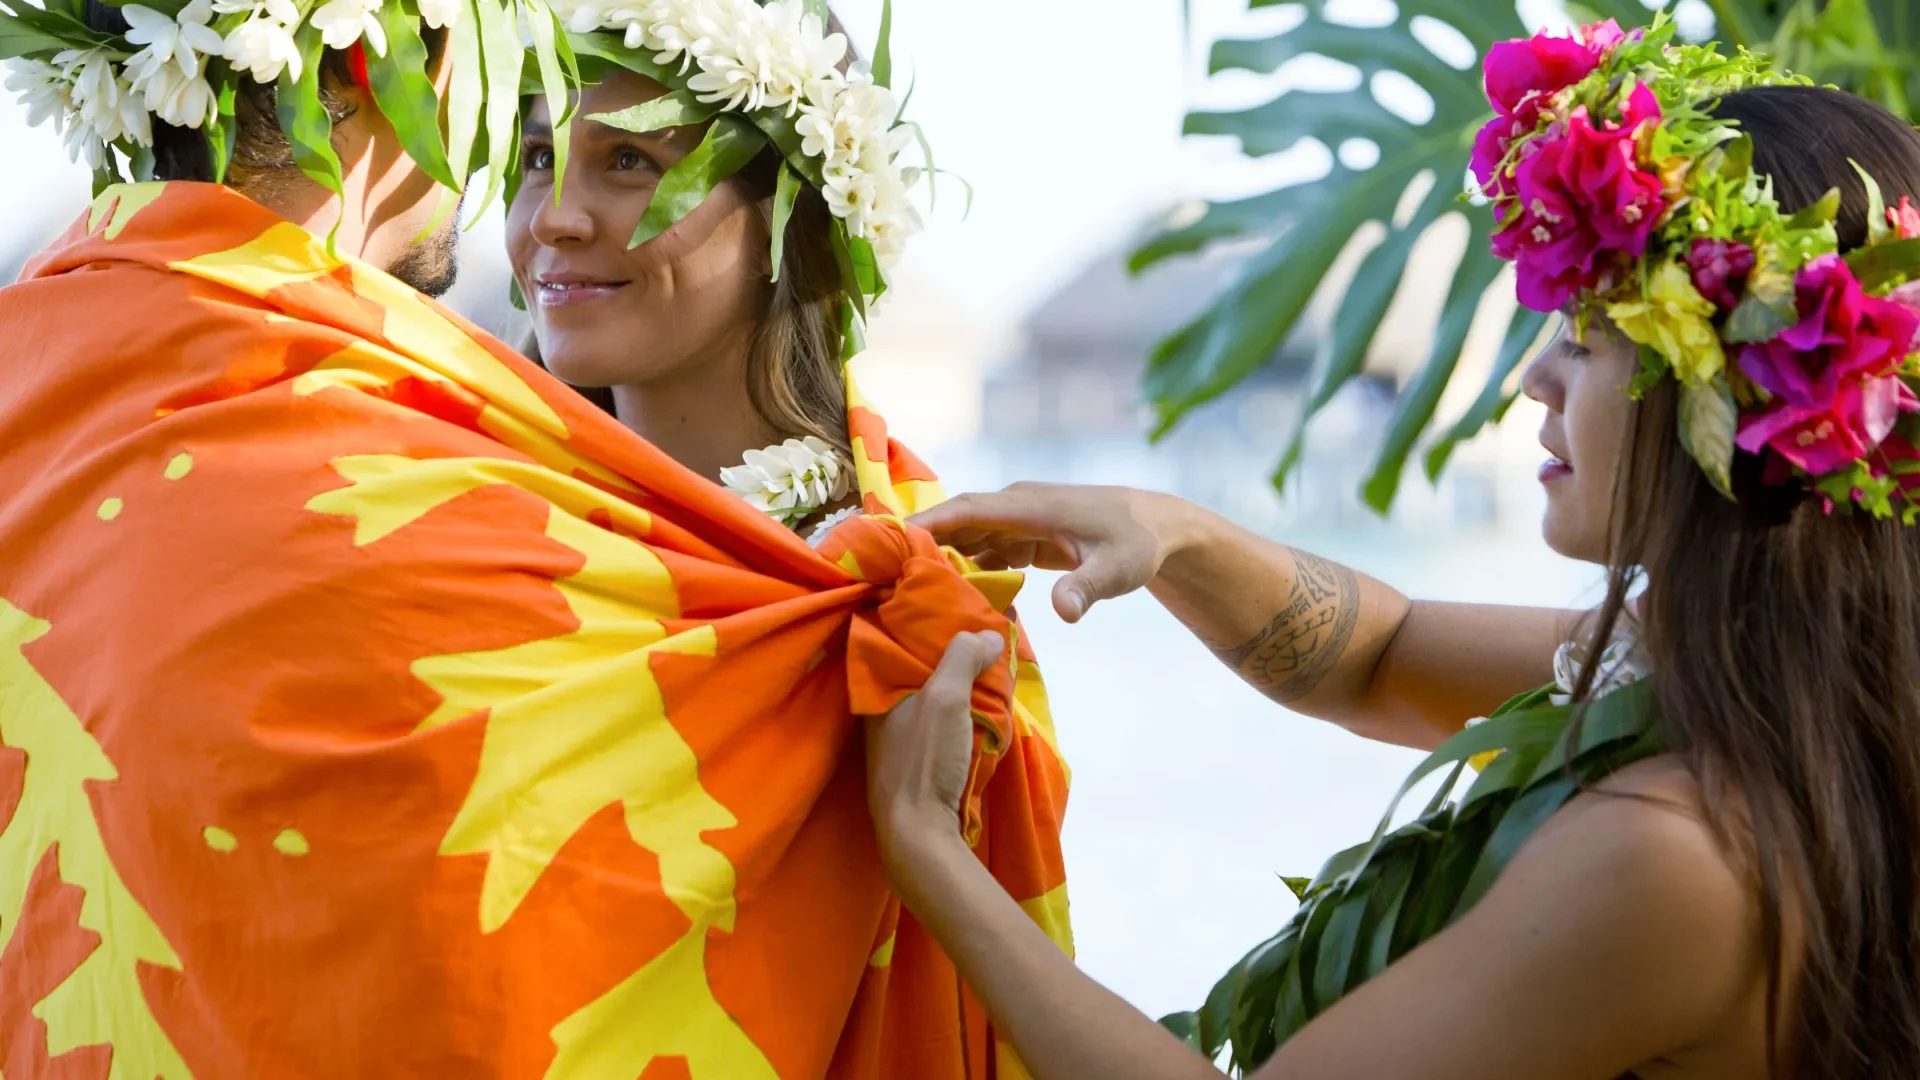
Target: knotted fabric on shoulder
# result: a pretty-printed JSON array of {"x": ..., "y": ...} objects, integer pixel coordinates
[{"x": 372, "y": 705}]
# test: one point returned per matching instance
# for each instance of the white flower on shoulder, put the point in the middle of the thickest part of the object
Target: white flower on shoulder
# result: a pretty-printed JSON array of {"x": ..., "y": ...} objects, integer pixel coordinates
[
  {"x": 1620, "y": 664},
  {"x": 791, "y": 480},
  {"x": 343, "y": 22},
  {"x": 441, "y": 14},
  {"x": 827, "y": 524},
  {"x": 263, "y": 48},
  {"x": 178, "y": 41},
  {"x": 46, "y": 91}
]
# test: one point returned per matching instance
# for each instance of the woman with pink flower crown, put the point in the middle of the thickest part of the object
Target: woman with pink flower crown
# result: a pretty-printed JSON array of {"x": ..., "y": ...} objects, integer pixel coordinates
[{"x": 1695, "y": 852}]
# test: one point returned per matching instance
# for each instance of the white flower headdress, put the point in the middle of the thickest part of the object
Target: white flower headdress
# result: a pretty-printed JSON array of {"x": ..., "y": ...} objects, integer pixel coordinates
[
  {"x": 183, "y": 61},
  {"x": 764, "y": 74}
]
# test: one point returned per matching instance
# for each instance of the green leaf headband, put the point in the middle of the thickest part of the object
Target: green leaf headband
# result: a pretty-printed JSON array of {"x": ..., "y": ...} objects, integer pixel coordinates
[
  {"x": 183, "y": 62},
  {"x": 767, "y": 75}
]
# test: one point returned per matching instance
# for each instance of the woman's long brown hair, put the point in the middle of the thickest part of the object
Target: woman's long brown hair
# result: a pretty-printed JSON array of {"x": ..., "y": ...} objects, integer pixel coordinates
[{"x": 1785, "y": 646}]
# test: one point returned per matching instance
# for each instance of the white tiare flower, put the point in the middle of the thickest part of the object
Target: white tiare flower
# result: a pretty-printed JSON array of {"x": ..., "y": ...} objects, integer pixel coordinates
[
  {"x": 178, "y": 41},
  {"x": 46, "y": 91},
  {"x": 184, "y": 101},
  {"x": 108, "y": 105},
  {"x": 1621, "y": 663},
  {"x": 848, "y": 122},
  {"x": 818, "y": 535},
  {"x": 690, "y": 29},
  {"x": 851, "y": 194},
  {"x": 791, "y": 480},
  {"x": 731, "y": 73},
  {"x": 263, "y": 48},
  {"x": 441, "y": 14},
  {"x": 793, "y": 53},
  {"x": 343, "y": 22}
]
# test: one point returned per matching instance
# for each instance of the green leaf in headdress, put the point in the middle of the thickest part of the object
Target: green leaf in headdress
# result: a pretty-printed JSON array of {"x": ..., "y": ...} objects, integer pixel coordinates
[
  {"x": 729, "y": 145},
  {"x": 1823, "y": 212},
  {"x": 883, "y": 49},
  {"x": 552, "y": 57},
  {"x": 1769, "y": 306},
  {"x": 405, "y": 94},
  {"x": 679, "y": 108},
  {"x": 18, "y": 38},
  {"x": 304, "y": 119},
  {"x": 785, "y": 194},
  {"x": 503, "y": 56},
  {"x": 1884, "y": 264},
  {"x": 221, "y": 132},
  {"x": 1709, "y": 421}
]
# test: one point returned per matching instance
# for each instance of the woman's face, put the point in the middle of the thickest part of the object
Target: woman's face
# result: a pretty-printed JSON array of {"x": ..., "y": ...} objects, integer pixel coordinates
[
  {"x": 1583, "y": 385},
  {"x": 607, "y": 315}
]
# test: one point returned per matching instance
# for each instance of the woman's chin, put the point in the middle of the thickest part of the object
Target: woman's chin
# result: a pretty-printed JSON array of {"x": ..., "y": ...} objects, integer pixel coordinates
[{"x": 1571, "y": 538}]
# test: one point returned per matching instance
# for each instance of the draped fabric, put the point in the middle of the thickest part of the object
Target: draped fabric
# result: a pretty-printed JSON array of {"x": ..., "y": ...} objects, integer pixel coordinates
[{"x": 371, "y": 705}]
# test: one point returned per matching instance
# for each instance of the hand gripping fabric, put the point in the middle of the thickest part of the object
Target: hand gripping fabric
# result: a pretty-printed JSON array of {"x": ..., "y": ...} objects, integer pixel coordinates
[{"x": 373, "y": 706}]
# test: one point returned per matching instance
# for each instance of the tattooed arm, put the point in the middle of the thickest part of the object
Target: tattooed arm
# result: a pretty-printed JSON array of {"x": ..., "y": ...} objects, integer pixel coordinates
[{"x": 1312, "y": 635}]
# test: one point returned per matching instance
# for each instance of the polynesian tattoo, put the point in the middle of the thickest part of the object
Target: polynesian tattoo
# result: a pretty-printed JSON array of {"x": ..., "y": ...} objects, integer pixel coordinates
[{"x": 1289, "y": 657}]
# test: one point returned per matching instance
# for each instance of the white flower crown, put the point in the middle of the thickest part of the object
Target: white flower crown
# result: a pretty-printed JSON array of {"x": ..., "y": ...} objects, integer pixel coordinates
[
  {"x": 183, "y": 61},
  {"x": 104, "y": 95},
  {"x": 745, "y": 57}
]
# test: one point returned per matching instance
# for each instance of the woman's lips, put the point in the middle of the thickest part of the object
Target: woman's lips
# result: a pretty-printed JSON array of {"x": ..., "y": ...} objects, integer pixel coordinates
[
  {"x": 1554, "y": 469},
  {"x": 565, "y": 293}
]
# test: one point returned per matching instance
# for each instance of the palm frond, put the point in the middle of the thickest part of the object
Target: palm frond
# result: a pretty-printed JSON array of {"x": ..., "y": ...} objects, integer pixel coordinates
[{"x": 1300, "y": 231}]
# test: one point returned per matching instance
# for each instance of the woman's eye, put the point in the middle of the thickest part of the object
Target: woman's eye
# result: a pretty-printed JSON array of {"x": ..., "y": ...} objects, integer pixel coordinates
[
  {"x": 538, "y": 159},
  {"x": 630, "y": 160}
]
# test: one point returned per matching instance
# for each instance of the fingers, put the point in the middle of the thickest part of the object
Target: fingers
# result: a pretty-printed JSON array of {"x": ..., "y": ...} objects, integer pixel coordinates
[
  {"x": 973, "y": 518},
  {"x": 1107, "y": 573}
]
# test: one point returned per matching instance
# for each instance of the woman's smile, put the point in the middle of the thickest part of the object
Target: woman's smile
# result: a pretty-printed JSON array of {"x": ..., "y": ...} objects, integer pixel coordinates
[{"x": 563, "y": 290}]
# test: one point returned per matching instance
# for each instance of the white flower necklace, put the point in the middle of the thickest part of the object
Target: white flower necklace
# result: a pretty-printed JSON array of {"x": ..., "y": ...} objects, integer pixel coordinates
[{"x": 792, "y": 481}]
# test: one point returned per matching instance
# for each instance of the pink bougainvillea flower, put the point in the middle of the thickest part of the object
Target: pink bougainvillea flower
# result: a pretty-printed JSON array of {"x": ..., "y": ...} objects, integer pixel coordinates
[
  {"x": 1522, "y": 75},
  {"x": 1719, "y": 265},
  {"x": 1833, "y": 374},
  {"x": 1584, "y": 199},
  {"x": 1905, "y": 219}
]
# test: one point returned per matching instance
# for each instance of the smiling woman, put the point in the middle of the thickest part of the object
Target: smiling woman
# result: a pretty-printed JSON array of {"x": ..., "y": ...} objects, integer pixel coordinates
[{"x": 688, "y": 338}]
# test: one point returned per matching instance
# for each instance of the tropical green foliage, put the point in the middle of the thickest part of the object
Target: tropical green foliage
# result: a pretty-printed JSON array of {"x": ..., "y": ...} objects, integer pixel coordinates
[
  {"x": 1871, "y": 46},
  {"x": 1371, "y": 904}
]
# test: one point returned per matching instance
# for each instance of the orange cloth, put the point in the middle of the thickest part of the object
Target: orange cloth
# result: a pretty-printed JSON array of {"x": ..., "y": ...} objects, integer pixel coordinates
[{"x": 371, "y": 705}]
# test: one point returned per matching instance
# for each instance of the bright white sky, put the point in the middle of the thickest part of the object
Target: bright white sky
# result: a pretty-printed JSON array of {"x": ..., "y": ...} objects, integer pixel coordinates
[{"x": 1064, "y": 114}]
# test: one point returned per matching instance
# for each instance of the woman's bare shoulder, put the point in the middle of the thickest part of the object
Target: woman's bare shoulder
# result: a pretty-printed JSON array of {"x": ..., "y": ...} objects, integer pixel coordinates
[
  {"x": 1649, "y": 824},
  {"x": 1640, "y": 859}
]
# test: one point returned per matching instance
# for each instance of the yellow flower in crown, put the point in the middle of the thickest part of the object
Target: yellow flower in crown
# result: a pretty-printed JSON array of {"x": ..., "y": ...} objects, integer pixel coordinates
[{"x": 1676, "y": 322}]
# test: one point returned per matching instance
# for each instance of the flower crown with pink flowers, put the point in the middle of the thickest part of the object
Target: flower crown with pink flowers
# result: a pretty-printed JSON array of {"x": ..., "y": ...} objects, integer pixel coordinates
[{"x": 1618, "y": 193}]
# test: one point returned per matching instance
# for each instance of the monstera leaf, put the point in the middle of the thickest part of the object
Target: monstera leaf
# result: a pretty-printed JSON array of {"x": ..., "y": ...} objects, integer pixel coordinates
[{"x": 1417, "y": 180}]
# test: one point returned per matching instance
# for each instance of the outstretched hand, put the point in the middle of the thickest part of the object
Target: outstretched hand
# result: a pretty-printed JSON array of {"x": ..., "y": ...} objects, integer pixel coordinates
[
  {"x": 917, "y": 755},
  {"x": 1110, "y": 540}
]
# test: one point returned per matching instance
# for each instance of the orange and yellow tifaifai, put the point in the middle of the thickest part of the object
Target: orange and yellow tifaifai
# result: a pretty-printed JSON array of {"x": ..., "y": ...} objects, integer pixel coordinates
[{"x": 373, "y": 705}]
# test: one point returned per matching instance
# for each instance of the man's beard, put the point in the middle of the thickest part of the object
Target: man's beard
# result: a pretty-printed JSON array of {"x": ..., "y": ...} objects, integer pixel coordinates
[{"x": 429, "y": 265}]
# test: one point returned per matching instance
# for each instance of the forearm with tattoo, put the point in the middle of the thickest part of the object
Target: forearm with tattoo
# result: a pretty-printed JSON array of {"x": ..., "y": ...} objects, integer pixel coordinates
[{"x": 1304, "y": 642}]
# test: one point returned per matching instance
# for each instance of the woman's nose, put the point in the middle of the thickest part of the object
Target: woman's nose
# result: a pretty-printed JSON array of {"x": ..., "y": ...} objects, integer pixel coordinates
[
  {"x": 564, "y": 221},
  {"x": 1541, "y": 382}
]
